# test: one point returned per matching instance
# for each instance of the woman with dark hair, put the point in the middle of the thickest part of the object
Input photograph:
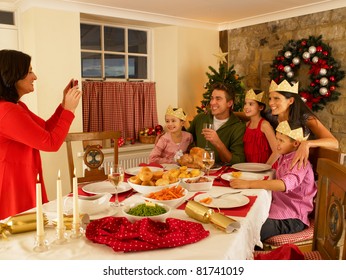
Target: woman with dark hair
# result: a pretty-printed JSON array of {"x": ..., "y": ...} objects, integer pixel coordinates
[
  {"x": 286, "y": 105},
  {"x": 23, "y": 134}
]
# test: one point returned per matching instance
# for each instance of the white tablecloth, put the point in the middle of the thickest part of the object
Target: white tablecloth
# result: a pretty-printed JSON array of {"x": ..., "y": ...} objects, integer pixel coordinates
[{"x": 218, "y": 245}]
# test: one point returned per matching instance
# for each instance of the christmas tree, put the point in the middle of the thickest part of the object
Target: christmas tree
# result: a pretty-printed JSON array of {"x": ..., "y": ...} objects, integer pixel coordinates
[{"x": 229, "y": 78}]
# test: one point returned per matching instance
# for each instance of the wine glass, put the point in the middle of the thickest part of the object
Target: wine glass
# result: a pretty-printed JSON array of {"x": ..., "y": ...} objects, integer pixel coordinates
[
  {"x": 207, "y": 126},
  {"x": 116, "y": 176},
  {"x": 208, "y": 159}
]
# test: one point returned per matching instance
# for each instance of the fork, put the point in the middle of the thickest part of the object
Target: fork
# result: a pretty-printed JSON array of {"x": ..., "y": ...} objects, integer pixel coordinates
[
  {"x": 219, "y": 176},
  {"x": 218, "y": 196}
]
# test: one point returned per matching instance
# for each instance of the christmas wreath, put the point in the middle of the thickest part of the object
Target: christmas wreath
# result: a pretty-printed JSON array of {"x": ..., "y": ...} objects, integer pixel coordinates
[{"x": 324, "y": 71}]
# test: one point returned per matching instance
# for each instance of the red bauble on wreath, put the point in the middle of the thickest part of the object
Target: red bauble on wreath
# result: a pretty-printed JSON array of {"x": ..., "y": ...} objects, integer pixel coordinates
[{"x": 324, "y": 71}]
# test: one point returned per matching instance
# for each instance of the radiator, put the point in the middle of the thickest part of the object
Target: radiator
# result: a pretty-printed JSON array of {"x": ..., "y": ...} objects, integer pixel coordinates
[{"x": 129, "y": 160}]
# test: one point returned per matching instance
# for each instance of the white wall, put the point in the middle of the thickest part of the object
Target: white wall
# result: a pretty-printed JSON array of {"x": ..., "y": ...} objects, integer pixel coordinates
[
  {"x": 182, "y": 56},
  {"x": 195, "y": 53},
  {"x": 52, "y": 39},
  {"x": 8, "y": 38}
]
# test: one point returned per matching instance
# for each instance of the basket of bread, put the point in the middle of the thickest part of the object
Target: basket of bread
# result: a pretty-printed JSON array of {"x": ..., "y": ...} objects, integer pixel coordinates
[
  {"x": 193, "y": 159},
  {"x": 147, "y": 181}
]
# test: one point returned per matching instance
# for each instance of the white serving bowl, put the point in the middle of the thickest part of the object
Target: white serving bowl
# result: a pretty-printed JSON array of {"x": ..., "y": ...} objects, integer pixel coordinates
[
  {"x": 89, "y": 204},
  {"x": 195, "y": 186},
  {"x": 171, "y": 202},
  {"x": 150, "y": 189},
  {"x": 157, "y": 218}
]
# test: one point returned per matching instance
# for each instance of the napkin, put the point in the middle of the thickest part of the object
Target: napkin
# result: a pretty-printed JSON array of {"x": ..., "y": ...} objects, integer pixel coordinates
[
  {"x": 284, "y": 252},
  {"x": 151, "y": 164},
  {"x": 145, "y": 234}
]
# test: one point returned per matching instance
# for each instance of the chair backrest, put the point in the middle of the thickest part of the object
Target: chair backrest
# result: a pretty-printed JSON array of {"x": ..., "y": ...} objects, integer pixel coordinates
[
  {"x": 330, "y": 217},
  {"x": 318, "y": 152},
  {"x": 93, "y": 156}
]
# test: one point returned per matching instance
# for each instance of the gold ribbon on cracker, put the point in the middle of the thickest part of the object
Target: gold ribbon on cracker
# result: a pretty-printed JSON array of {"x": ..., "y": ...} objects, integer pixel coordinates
[{"x": 20, "y": 223}]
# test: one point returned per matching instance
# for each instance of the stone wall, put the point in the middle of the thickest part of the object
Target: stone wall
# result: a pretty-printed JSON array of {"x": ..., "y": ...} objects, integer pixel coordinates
[{"x": 252, "y": 50}]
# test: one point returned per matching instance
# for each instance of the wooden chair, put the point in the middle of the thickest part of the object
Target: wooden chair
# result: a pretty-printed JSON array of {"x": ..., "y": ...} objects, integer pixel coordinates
[
  {"x": 330, "y": 219},
  {"x": 329, "y": 238},
  {"x": 93, "y": 155},
  {"x": 303, "y": 239}
]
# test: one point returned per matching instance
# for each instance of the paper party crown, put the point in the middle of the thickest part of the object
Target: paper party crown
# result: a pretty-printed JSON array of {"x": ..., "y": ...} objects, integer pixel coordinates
[
  {"x": 296, "y": 134},
  {"x": 178, "y": 113},
  {"x": 283, "y": 86},
  {"x": 250, "y": 94}
]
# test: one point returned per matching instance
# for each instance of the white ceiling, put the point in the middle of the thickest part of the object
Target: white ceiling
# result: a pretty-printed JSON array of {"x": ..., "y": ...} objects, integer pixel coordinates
[
  {"x": 207, "y": 12},
  {"x": 212, "y": 11}
]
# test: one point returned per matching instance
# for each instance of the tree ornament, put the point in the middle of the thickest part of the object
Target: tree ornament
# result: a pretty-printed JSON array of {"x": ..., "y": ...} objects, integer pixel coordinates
[
  {"x": 290, "y": 74},
  {"x": 323, "y": 91},
  {"x": 312, "y": 49},
  {"x": 296, "y": 60},
  {"x": 221, "y": 56},
  {"x": 288, "y": 54},
  {"x": 315, "y": 59},
  {"x": 287, "y": 69},
  {"x": 324, "y": 81},
  {"x": 306, "y": 55},
  {"x": 324, "y": 72}
]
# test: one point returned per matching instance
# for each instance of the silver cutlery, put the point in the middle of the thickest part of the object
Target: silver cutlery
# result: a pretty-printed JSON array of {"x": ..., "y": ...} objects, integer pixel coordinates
[
  {"x": 218, "y": 196},
  {"x": 223, "y": 171}
]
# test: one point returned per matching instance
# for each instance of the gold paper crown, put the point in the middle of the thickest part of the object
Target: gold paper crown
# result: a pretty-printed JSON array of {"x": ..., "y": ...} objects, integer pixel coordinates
[
  {"x": 296, "y": 134},
  {"x": 178, "y": 113},
  {"x": 252, "y": 95},
  {"x": 283, "y": 86}
]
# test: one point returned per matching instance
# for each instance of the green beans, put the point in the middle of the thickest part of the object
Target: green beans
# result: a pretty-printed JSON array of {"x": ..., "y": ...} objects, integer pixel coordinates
[{"x": 144, "y": 210}]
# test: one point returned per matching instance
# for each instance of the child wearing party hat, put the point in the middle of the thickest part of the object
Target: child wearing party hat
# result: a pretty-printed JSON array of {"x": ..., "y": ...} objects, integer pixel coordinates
[
  {"x": 259, "y": 137},
  {"x": 175, "y": 141},
  {"x": 293, "y": 190}
]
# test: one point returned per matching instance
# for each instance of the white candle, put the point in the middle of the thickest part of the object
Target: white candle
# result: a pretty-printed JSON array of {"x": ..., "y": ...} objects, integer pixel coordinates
[
  {"x": 60, "y": 221},
  {"x": 39, "y": 214},
  {"x": 75, "y": 200}
]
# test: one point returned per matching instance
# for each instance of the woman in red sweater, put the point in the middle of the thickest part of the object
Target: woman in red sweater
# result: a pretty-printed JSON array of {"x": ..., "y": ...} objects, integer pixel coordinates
[{"x": 23, "y": 134}]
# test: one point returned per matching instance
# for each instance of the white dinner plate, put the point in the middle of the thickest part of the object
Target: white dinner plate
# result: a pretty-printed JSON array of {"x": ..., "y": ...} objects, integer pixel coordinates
[
  {"x": 109, "y": 211},
  {"x": 105, "y": 187},
  {"x": 230, "y": 201},
  {"x": 216, "y": 168},
  {"x": 50, "y": 209},
  {"x": 169, "y": 166},
  {"x": 135, "y": 170},
  {"x": 251, "y": 166},
  {"x": 243, "y": 176}
]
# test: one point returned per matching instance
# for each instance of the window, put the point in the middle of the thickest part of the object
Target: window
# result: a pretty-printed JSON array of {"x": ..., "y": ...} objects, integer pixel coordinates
[
  {"x": 113, "y": 52},
  {"x": 6, "y": 18}
]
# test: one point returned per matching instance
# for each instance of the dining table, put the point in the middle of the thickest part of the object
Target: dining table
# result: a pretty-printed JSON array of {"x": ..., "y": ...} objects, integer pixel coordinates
[{"x": 218, "y": 245}]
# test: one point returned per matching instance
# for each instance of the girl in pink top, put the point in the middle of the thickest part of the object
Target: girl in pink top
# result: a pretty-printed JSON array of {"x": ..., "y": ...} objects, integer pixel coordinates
[
  {"x": 259, "y": 137},
  {"x": 175, "y": 141},
  {"x": 293, "y": 190}
]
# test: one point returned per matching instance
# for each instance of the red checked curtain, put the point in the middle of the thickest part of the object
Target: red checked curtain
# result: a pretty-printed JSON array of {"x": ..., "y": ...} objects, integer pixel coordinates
[{"x": 121, "y": 106}]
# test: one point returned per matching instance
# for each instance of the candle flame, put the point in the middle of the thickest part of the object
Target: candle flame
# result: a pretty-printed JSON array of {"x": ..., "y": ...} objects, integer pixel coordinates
[
  {"x": 38, "y": 178},
  {"x": 59, "y": 174},
  {"x": 74, "y": 172}
]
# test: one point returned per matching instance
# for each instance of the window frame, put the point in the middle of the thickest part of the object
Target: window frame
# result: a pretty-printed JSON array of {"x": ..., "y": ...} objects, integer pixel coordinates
[{"x": 127, "y": 54}]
